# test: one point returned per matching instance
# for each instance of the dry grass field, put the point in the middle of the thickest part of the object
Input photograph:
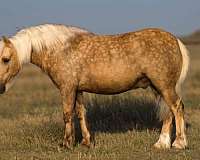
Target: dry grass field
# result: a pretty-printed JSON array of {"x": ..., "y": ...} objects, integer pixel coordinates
[{"x": 123, "y": 126}]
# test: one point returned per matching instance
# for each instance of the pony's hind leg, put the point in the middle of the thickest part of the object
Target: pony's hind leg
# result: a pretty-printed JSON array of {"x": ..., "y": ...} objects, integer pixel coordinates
[
  {"x": 81, "y": 114},
  {"x": 166, "y": 116},
  {"x": 164, "y": 140},
  {"x": 180, "y": 141},
  {"x": 176, "y": 106}
]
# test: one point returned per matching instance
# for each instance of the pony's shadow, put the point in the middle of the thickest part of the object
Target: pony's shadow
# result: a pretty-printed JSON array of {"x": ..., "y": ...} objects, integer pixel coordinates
[
  {"x": 116, "y": 114},
  {"x": 119, "y": 114}
]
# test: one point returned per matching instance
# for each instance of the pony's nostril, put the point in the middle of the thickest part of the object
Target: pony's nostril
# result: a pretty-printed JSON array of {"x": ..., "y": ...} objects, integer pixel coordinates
[{"x": 2, "y": 88}]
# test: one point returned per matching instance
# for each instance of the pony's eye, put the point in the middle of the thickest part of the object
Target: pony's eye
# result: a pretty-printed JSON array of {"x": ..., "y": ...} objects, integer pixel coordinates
[{"x": 5, "y": 60}]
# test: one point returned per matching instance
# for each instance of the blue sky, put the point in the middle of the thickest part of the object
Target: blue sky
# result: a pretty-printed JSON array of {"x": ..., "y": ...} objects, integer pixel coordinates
[{"x": 102, "y": 16}]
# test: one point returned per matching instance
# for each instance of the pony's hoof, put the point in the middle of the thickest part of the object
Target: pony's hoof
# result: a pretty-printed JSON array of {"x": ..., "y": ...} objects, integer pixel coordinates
[
  {"x": 86, "y": 143},
  {"x": 66, "y": 145},
  {"x": 164, "y": 141},
  {"x": 160, "y": 145},
  {"x": 180, "y": 144}
]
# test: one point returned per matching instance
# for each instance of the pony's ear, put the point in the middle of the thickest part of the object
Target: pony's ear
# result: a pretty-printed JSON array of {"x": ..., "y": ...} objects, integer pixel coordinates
[{"x": 6, "y": 40}]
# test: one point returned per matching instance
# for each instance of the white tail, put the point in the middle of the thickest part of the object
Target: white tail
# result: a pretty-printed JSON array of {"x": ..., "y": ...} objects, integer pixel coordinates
[
  {"x": 163, "y": 109},
  {"x": 185, "y": 66}
]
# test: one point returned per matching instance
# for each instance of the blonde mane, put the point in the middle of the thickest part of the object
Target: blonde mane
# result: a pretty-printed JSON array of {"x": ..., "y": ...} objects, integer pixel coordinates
[{"x": 43, "y": 36}]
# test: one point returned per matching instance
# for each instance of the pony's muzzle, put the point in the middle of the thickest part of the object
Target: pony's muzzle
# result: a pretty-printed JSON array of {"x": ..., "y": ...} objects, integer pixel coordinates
[{"x": 2, "y": 88}]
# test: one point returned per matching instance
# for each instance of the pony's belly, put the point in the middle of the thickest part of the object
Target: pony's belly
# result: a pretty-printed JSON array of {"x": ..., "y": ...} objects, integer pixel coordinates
[
  {"x": 111, "y": 88},
  {"x": 109, "y": 81}
]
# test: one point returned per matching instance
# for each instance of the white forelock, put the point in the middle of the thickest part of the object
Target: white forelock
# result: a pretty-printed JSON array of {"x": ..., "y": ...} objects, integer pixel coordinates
[{"x": 38, "y": 37}]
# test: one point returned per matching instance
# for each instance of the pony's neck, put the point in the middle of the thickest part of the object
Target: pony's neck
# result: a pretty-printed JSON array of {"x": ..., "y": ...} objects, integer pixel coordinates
[{"x": 36, "y": 39}]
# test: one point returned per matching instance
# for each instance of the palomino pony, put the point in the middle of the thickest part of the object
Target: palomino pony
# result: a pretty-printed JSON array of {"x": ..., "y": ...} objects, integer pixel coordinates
[{"x": 78, "y": 61}]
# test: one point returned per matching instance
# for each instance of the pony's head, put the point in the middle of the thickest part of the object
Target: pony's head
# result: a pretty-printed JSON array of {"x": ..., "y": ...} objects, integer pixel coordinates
[{"x": 9, "y": 64}]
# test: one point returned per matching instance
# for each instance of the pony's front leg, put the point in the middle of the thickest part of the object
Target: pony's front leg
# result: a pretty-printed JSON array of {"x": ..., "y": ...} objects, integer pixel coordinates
[
  {"x": 81, "y": 114},
  {"x": 68, "y": 98}
]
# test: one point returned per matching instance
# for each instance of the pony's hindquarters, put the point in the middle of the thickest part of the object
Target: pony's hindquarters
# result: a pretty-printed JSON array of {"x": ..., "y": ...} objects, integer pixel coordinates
[
  {"x": 163, "y": 109},
  {"x": 171, "y": 105}
]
